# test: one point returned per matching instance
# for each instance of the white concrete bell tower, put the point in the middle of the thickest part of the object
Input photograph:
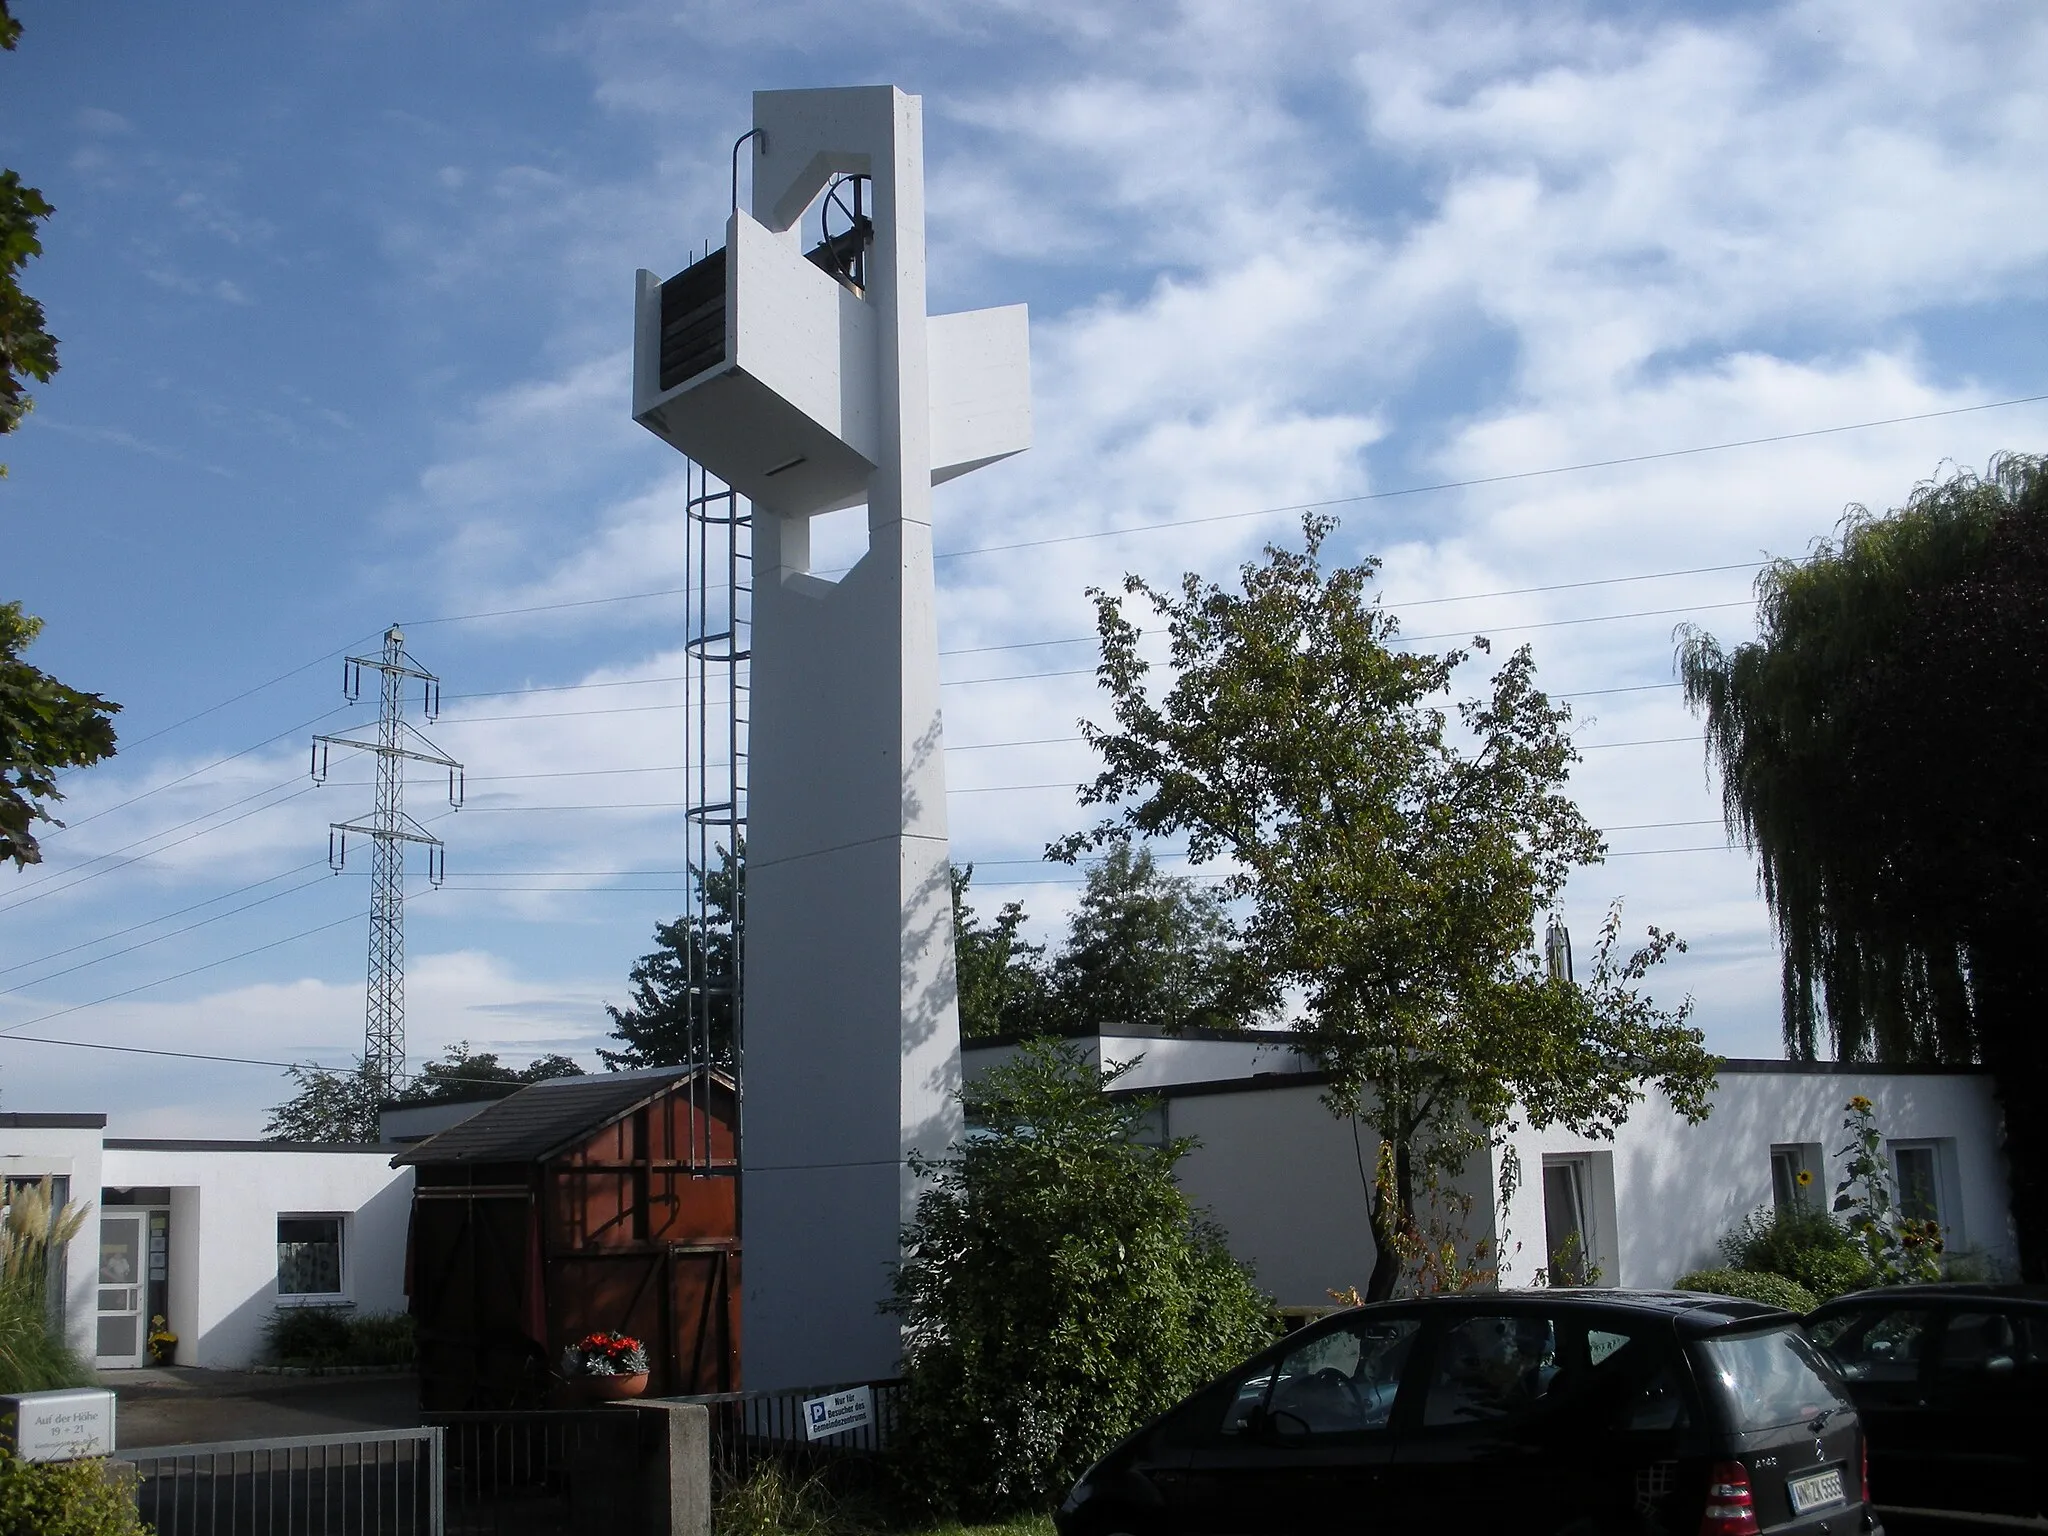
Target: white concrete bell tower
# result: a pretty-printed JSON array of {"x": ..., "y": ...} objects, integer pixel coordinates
[{"x": 811, "y": 382}]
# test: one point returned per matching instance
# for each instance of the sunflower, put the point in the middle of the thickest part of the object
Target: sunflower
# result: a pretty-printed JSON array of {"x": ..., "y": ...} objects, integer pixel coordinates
[
  {"x": 1860, "y": 1104},
  {"x": 1804, "y": 1178}
]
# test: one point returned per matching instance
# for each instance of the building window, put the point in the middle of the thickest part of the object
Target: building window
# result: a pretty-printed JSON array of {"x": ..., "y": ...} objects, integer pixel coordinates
[
  {"x": 1795, "y": 1176},
  {"x": 309, "y": 1256},
  {"x": 1919, "y": 1176},
  {"x": 1567, "y": 1230}
]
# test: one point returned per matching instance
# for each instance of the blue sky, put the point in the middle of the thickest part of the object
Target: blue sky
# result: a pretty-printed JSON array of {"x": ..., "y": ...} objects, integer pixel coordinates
[{"x": 345, "y": 295}]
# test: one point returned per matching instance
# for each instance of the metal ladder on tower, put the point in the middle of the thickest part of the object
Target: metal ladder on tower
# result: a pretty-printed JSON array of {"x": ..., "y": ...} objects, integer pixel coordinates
[{"x": 718, "y": 621}]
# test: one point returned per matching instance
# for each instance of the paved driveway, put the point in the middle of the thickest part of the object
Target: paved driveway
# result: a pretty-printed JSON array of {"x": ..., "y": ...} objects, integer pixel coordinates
[{"x": 180, "y": 1406}]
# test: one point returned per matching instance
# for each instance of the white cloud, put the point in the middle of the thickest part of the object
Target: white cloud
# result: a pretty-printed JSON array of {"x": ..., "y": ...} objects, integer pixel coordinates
[{"x": 1275, "y": 256}]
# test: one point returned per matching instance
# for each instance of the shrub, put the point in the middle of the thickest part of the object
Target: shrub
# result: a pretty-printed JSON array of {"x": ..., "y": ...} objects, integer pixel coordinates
[
  {"x": 1800, "y": 1242},
  {"x": 1057, "y": 1290},
  {"x": 336, "y": 1336},
  {"x": 1750, "y": 1285},
  {"x": 306, "y": 1336},
  {"x": 33, "y": 1354},
  {"x": 381, "y": 1338},
  {"x": 66, "y": 1498}
]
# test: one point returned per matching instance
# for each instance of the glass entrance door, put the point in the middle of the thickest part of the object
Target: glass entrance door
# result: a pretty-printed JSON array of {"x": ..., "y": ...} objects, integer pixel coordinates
[{"x": 122, "y": 1298}]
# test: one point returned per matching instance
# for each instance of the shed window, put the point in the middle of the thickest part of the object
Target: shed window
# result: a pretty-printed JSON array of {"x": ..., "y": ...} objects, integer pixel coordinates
[{"x": 309, "y": 1256}]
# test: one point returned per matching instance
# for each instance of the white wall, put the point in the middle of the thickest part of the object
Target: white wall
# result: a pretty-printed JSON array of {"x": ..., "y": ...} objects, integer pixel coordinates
[
  {"x": 1281, "y": 1174},
  {"x": 1163, "y": 1060},
  {"x": 416, "y": 1122},
  {"x": 1677, "y": 1188},
  {"x": 73, "y": 1151},
  {"x": 225, "y": 1201}
]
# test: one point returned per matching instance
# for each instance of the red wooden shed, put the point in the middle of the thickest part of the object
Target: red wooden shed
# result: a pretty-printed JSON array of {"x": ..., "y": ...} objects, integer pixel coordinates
[{"x": 577, "y": 1205}]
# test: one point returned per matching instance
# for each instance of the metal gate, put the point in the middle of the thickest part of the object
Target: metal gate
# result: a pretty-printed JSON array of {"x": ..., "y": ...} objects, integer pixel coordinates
[
  {"x": 552, "y": 1473},
  {"x": 378, "y": 1483}
]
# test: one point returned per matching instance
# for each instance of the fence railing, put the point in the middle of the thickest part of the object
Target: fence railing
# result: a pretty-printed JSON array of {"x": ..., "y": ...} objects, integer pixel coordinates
[
  {"x": 749, "y": 1429},
  {"x": 375, "y": 1483},
  {"x": 540, "y": 1472}
]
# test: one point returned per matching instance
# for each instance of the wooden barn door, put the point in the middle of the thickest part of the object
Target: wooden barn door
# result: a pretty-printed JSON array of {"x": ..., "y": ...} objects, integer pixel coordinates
[
  {"x": 471, "y": 1272},
  {"x": 704, "y": 1286},
  {"x": 681, "y": 1302}
]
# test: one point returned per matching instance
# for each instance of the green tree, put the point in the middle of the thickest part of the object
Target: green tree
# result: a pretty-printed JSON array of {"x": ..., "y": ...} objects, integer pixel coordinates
[
  {"x": 683, "y": 991},
  {"x": 1392, "y": 876},
  {"x": 1001, "y": 978},
  {"x": 465, "y": 1074},
  {"x": 44, "y": 726},
  {"x": 27, "y": 349},
  {"x": 1056, "y": 1289},
  {"x": 1148, "y": 948},
  {"x": 329, "y": 1106},
  {"x": 332, "y": 1106},
  {"x": 1878, "y": 744}
]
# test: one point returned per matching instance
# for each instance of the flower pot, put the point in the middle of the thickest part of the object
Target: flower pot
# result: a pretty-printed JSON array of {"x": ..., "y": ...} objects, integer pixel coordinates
[{"x": 609, "y": 1389}]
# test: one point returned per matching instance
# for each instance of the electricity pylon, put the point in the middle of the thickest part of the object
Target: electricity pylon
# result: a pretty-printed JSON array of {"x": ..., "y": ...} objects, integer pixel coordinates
[{"x": 389, "y": 830}]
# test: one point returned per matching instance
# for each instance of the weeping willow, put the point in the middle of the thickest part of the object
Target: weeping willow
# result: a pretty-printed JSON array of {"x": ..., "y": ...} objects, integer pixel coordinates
[
  {"x": 1865, "y": 743},
  {"x": 1881, "y": 746}
]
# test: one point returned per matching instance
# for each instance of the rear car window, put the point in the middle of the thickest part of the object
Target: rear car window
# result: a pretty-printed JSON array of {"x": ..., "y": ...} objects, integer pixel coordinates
[
  {"x": 1771, "y": 1379},
  {"x": 1872, "y": 1345}
]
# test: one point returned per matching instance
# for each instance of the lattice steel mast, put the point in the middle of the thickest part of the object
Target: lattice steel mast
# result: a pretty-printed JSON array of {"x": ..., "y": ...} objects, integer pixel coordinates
[{"x": 389, "y": 829}]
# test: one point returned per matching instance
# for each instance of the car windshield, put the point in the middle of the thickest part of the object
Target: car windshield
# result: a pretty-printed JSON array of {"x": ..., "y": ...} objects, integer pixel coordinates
[{"x": 1771, "y": 1379}]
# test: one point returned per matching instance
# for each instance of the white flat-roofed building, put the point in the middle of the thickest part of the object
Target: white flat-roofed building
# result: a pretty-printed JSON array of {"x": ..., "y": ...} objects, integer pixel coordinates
[
  {"x": 212, "y": 1235},
  {"x": 1289, "y": 1181}
]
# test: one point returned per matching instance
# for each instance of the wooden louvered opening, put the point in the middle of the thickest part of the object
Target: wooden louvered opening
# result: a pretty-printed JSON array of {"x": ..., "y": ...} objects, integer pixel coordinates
[{"x": 693, "y": 320}]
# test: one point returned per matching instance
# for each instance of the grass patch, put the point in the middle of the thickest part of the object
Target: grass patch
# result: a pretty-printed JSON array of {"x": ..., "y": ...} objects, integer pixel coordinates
[{"x": 777, "y": 1502}]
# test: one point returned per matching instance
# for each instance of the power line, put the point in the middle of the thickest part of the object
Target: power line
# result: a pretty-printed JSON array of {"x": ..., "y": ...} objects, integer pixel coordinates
[
  {"x": 8, "y": 970},
  {"x": 1314, "y": 506},
  {"x": 152, "y": 853},
  {"x": 255, "y": 1061},
  {"x": 1598, "y": 618},
  {"x": 1482, "y": 480},
  {"x": 174, "y": 933},
  {"x": 161, "y": 981},
  {"x": 204, "y": 767},
  {"x": 177, "y": 725}
]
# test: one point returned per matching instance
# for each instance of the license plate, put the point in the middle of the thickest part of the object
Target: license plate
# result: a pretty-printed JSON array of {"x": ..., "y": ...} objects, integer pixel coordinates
[{"x": 1817, "y": 1490}]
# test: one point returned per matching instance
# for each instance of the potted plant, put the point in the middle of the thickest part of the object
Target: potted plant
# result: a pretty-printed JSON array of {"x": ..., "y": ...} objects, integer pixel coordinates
[
  {"x": 606, "y": 1366},
  {"x": 163, "y": 1344}
]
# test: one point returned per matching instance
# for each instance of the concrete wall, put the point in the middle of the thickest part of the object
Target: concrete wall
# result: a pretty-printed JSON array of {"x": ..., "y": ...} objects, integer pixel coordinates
[
  {"x": 225, "y": 1201},
  {"x": 1161, "y": 1060},
  {"x": 416, "y": 1122},
  {"x": 1677, "y": 1188},
  {"x": 1282, "y": 1175},
  {"x": 1288, "y": 1182},
  {"x": 31, "y": 1146}
]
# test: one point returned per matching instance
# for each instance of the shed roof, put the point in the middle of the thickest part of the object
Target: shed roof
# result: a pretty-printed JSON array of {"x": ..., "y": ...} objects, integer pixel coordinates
[{"x": 546, "y": 1117}]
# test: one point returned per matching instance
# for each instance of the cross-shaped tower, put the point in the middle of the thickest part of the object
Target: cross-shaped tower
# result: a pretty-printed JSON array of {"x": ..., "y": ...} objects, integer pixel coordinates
[{"x": 811, "y": 382}]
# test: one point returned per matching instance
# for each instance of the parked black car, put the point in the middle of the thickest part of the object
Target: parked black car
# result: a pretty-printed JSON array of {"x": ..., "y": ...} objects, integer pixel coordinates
[
  {"x": 1583, "y": 1412},
  {"x": 1951, "y": 1382}
]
